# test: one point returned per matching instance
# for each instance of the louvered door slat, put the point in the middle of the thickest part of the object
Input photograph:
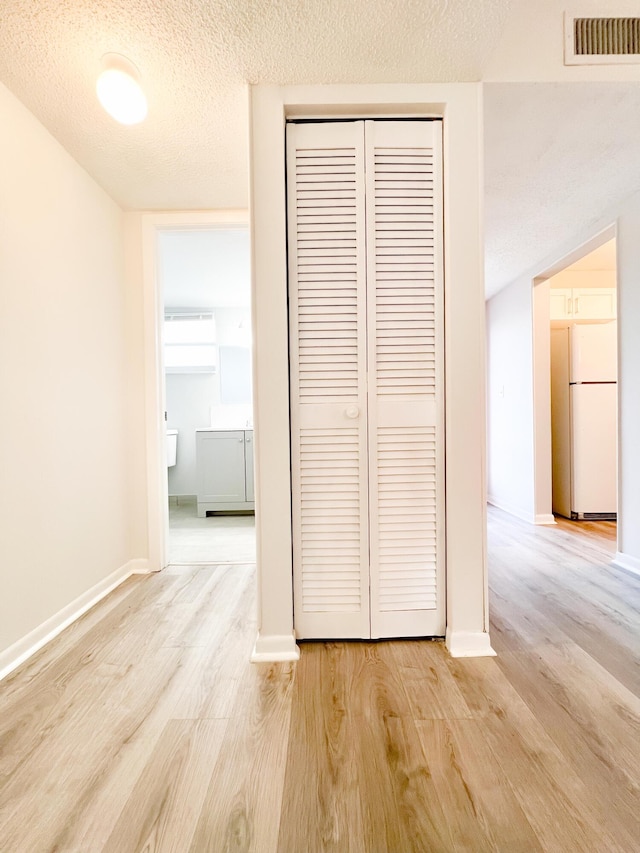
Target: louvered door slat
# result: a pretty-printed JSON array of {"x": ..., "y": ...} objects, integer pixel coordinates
[
  {"x": 404, "y": 263},
  {"x": 328, "y": 375}
]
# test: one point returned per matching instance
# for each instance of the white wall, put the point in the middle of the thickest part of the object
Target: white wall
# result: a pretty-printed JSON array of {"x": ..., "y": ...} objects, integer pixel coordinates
[
  {"x": 584, "y": 278},
  {"x": 189, "y": 398},
  {"x": 62, "y": 380},
  {"x": 510, "y": 400},
  {"x": 509, "y": 331},
  {"x": 628, "y": 263}
]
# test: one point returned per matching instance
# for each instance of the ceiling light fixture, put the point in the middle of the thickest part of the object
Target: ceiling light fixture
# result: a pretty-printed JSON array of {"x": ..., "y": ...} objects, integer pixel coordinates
[{"x": 119, "y": 90}]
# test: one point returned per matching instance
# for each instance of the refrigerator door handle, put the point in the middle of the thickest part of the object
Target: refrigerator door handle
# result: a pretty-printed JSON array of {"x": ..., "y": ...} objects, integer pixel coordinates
[{"x": 577, "y": 305}]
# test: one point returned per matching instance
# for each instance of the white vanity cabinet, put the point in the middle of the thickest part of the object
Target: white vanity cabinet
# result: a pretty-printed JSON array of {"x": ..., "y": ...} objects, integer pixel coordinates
[{"x": 224, "y": 462}]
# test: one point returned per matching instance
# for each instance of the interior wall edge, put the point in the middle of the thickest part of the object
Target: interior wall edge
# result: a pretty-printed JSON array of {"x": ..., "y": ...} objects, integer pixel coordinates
[
  {"x": 627, "y": 563},
  {"x": 518, "y": 512}
]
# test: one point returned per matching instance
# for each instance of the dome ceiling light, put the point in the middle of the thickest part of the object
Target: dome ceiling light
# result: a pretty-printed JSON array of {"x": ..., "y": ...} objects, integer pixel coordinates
[{"x": 119, "y": 90}]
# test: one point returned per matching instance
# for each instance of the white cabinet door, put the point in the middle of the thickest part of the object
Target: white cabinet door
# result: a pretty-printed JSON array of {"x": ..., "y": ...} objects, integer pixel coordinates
[
  {"x": 560, "y": 303},
  {"x": 365, "y": 279},
  {"x": 221, "y": 462},
  {"x": 248, "y": 466},
  {"x": 590, "y": 303},
  {"x": 582, "y": 303}
]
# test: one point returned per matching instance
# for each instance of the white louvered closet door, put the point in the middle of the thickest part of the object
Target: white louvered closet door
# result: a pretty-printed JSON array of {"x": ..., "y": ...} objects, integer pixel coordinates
[
  {"x": 327, "y": 316},
  {"x": 365, "y": 291},
  {"x": 405, "y": 366}
]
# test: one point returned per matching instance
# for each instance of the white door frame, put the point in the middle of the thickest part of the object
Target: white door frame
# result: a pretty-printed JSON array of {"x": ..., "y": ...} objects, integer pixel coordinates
[
  {"x": 153, "y": 308},
  {"x": 542, "y": 498},
  {"x": 460, "y": 104}
]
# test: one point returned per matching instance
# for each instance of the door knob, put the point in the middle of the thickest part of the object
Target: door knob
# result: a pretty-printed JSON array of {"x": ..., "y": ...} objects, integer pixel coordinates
[{"x": 352, "y": 411}]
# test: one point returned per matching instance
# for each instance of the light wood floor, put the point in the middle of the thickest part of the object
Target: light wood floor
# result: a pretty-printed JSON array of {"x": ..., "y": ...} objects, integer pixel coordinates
[{"x": 144, "y": 728}]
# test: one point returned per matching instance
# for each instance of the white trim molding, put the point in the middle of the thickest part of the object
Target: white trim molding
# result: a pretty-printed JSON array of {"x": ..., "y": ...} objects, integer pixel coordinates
[
  {"x": 141, "y": 566},
  {"x": 523, "y": 515},
  {"x": 626, "y": 562},
  {"x": 545, "y": 518},
  {"x": 469, "y": 644},
  {"x": 275, "y": 647},
  {"x": 28, "y": 645},
  {"x": 151, "y": 224}
]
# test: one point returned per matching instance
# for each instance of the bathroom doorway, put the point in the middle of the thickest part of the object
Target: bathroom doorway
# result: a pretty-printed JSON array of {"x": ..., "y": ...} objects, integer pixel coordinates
[{"x": 204, "y": 295}]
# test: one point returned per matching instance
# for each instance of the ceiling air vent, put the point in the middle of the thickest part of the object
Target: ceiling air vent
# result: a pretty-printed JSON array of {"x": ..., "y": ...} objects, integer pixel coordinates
[{"x": 601, "y": 41}]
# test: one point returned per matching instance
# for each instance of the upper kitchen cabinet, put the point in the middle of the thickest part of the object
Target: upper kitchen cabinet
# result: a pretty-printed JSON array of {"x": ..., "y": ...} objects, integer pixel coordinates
[{"x": 582, "y": 303}]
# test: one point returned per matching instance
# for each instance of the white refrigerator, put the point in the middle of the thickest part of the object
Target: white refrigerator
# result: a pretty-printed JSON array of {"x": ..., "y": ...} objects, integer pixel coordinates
[{"x": 584, "y": 420}]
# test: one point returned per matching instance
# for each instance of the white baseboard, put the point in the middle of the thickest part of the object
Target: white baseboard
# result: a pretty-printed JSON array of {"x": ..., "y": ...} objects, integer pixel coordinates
[
  {"x": 275, "y": 647},
  {"x": 22, "y": 650},
  {"x": 512, "y": 510},
  {"x": 545, "y": 518},
  {"x": 626, "y": 562},
  {"x": 469, "y": 644},
  {"x": 140, "y": 566}
]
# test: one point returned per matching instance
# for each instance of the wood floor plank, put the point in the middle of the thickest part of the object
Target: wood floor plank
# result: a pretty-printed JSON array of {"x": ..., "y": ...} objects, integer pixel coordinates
[
  {"x": 322, "y": 802},
  {"x": 609, "y": 793},
  {"x": 212, "y": 690},
  {"x": 403, "y": 810},
  {"x": 243, "y": 803},
  {"x": 224, "y": 597},
  {"x": 366, "y": 785},
  {"x": 164, "y": 623},
  {"x": 482, "y": 810},
  {"x": 126, "y": 715},
  {"x": 552, "y": 793},
  {"x": 47, "y": 793},
  {"x": 161, "y": 814},
  {"x": 428, "y": 682}
]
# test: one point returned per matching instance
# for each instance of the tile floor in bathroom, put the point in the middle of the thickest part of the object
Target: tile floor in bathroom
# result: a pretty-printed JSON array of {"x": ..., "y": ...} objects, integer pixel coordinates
[{"x": 215, "y": 539}]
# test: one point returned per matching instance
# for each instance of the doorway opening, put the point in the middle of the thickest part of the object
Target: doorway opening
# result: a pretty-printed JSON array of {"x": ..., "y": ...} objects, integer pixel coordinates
[
  {"x": 203, "y": 279},
  {"x": 575, "y": 364}
]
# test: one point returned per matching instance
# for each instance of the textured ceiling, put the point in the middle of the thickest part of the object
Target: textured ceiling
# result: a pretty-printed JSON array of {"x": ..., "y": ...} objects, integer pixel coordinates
[
  {"x": 195, "y": 57},
  {"x": 558, "y": 157}
]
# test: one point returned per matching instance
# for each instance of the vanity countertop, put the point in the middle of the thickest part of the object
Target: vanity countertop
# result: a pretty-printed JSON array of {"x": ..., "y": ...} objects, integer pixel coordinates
[{"x": 229, "y": 428}]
